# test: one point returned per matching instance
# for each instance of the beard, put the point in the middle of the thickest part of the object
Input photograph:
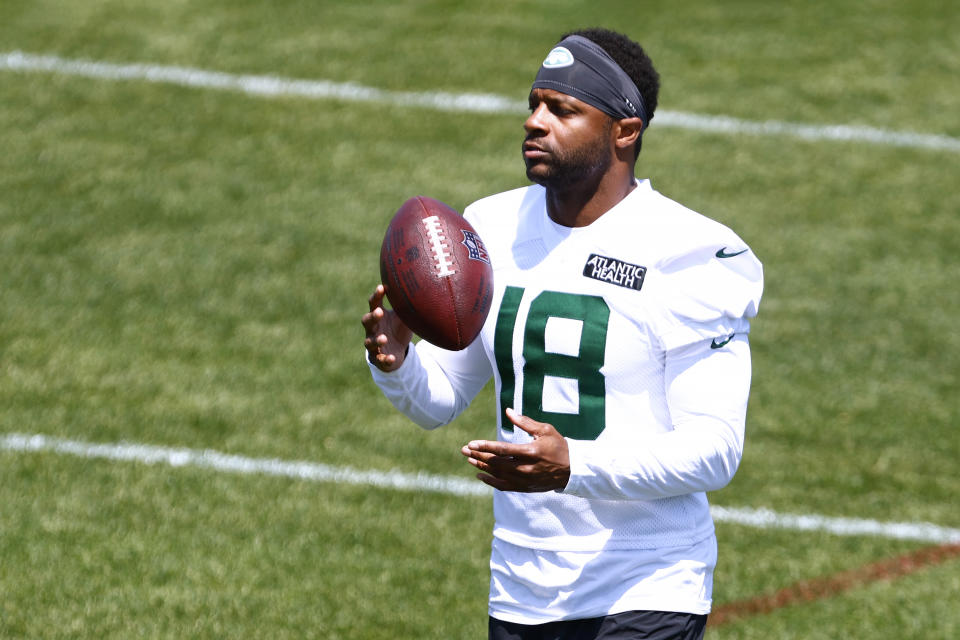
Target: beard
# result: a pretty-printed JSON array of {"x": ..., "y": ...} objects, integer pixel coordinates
[{"x": 565, "y": 168}]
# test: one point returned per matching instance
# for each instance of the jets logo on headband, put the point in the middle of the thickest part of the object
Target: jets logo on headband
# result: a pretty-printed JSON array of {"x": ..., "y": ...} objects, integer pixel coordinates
[
  {"x": 558, "y": 58},
  {"x": 581, "y": 68}
]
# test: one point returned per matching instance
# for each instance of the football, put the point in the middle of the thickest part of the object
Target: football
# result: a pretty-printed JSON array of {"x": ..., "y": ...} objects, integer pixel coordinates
[{"x": 437, "y": 273}]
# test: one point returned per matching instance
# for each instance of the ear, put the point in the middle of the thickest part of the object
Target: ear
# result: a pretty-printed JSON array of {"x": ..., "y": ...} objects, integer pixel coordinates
[{"x": 626, "y": 132}]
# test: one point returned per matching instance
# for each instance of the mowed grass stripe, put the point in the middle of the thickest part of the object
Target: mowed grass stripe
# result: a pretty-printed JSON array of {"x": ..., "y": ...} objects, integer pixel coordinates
[
  {"x": 398, "y": 480},
  {"x": 277, "y": 86}
]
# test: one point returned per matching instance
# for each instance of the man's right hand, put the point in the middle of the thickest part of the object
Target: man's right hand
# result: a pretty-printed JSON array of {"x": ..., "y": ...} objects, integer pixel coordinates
[{"x": 387, "y": 336}]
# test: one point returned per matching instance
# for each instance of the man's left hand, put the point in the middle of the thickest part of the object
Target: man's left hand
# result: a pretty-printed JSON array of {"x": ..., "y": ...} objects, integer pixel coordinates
[{"x": 541, "y": 465}]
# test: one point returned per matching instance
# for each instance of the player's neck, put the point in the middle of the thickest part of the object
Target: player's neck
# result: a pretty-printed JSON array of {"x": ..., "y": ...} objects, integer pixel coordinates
[{"x": 583, "y": 203}]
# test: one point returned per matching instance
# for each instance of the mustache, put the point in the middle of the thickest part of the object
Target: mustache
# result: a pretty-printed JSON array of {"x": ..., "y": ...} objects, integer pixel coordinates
[{"x": 534, "y": 143}]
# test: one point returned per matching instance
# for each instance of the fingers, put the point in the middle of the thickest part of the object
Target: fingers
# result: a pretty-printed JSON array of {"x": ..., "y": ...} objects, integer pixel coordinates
[
  {"x": 376, "y": 344},
  {"x": 501, "y": 462},
  {"x": 373, "y": 321},
  {"x": 387, "y": 337},
  {"x": 370, "y": 320},
  {"x": 496, "y": 483},
  {"x": 376, "y": 300},
  {"x": 517, "y": 419},
  {"x": 496, "y": 465},
  {"x": 486, "y": 448},
  {"x": 376, "y": 338},
  {"x": 531, "y": 426},
  {"x": 542, "y": 464},
  {"x": 509, "y": 473},
  {"x": 371, "y": 325}
]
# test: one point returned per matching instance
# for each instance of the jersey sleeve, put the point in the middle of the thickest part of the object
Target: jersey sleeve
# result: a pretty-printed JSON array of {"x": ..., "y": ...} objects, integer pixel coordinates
[
  {"x": 710, "y": 292},
  {"x": 433, "y": 386},
  {"x": 707, "y": 391}
]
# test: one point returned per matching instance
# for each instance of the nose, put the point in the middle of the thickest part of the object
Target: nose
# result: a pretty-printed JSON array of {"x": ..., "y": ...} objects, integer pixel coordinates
[{"x": 536, "y": 122}]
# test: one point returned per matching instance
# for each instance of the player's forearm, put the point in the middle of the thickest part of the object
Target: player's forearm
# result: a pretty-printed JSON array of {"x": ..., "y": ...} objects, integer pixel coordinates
[
  {"x": 420, "y": 390},
  {"x": 701, "y": 456},
  {"x": 707, "y": 392}
]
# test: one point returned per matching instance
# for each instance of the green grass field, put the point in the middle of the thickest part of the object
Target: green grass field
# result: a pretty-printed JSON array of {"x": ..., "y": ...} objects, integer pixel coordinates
[{"x": 186, "y": 267}]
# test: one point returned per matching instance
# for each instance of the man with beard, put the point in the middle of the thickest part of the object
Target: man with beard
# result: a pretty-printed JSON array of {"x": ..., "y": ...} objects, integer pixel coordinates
[{"x": 618, "y": 343}]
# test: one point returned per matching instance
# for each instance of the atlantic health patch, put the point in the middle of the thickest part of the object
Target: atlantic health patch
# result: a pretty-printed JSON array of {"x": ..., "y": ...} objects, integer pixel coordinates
[{"x": 618, "y": 272}]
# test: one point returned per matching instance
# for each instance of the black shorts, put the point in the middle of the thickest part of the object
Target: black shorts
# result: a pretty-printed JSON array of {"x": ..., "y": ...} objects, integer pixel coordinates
[{"x": 630, "y": 625}]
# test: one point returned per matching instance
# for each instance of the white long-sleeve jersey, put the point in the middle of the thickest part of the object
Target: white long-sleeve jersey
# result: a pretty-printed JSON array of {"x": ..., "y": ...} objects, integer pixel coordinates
[{"x": 630, "y": 337}]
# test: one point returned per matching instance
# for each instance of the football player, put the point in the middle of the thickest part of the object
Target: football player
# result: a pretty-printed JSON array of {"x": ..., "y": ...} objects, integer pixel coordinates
[{"x": 618, "y": 342}]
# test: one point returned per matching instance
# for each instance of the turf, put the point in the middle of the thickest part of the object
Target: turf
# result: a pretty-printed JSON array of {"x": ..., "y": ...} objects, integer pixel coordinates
[{"x": 187, "y": 267}]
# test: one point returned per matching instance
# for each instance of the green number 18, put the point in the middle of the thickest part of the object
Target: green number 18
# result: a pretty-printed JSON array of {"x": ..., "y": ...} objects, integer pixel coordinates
[{"x": 584, "y": 367}]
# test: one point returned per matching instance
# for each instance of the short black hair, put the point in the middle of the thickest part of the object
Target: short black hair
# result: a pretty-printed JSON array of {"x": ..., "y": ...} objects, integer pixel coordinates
[{"x": 632, "y": 59}]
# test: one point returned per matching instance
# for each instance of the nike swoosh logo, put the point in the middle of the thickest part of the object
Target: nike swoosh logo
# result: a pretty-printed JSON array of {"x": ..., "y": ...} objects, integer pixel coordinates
[
  {"x": 717, "y": 345},
  {"x": 723, "y": 253}
]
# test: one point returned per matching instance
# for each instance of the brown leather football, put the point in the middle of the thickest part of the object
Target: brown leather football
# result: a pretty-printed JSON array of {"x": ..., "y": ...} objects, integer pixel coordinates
[{"x": 437, "y": 273}]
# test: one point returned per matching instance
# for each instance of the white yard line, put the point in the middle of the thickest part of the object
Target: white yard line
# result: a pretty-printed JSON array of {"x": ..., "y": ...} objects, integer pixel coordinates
[
  {"x": 277, "y": 86},
  {"x": 315, "y": 472},
  {"x": 208, "y": 459}
]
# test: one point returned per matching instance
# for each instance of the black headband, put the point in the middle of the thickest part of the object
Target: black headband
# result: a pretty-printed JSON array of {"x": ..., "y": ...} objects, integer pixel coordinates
[{"x": 581, "y": 68}]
